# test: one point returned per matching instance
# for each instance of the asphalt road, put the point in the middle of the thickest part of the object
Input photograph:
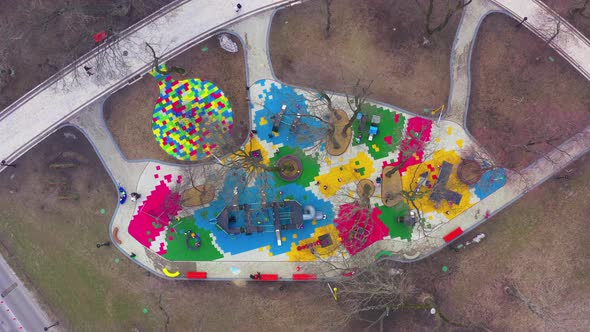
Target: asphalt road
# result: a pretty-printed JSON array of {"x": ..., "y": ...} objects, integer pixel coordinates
[{"x": 19, "y": 310}]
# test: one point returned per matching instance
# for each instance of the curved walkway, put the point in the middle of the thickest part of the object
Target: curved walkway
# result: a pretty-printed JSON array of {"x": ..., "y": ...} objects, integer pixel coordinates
[{"x": 461, "y": 59}]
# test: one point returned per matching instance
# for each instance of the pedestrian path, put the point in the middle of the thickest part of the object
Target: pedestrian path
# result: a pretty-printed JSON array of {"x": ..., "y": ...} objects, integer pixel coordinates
[
  {"x": 518, "y": 185},
  {"x": 254, "y": 33},
  {"x": 91, "y": 122},
  {"x": 461, "y": 55}
]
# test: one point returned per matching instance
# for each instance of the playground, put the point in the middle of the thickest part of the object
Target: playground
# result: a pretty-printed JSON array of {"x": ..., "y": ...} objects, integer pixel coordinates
[{"x": 303, "y": 203}]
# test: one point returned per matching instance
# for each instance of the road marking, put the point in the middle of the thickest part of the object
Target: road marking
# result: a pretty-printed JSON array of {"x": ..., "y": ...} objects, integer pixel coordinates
[{"x": 16, "y": 323}]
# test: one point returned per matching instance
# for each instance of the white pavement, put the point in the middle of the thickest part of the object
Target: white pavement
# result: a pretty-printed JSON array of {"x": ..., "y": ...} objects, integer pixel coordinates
[
  {"x": 461, "y": 55},
  {"x": 254, "y": 34}
]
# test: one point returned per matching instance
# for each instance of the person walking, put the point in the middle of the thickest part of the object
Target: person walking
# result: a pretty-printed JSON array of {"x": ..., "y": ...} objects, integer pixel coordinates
[
  {"x": 238, "y": 7},
  {"x": 88, "y": 70}
]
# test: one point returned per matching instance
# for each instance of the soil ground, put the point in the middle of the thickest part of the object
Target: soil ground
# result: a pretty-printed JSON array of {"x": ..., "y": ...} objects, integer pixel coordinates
[
  {"x": 564, "y": 7},
  {"x": 378, "y": 41},
  {"x": 338, "y": 143},
  {"x": 538, "y": 245},
  {"x": 522, "y": 92},
  {"x": 36, "y": 52},
  {"x": 128, "y": 112},
  {"x": 51, "y": 243}
]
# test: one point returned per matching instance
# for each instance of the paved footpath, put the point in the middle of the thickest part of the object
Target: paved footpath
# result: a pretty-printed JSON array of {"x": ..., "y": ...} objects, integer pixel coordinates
[{"x": 461, "y": 55}]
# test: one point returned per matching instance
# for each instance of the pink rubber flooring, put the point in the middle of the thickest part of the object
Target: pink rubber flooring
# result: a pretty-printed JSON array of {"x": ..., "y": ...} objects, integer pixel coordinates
[
  {"x": 354, "y": 235},
  {"x": 154, "y": 215}
]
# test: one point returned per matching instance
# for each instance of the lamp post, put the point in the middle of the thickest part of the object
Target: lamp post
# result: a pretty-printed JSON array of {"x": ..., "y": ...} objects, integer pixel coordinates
[
  {"x": 50, "y": 326},
  {"x": 107, "y": 244},
  {"x": 521, "y": 22},
  {"x": 4, "y": 163}
]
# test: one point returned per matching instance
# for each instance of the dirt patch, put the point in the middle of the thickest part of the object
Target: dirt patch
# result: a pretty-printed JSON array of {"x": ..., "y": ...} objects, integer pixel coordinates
[
  {"x": 469, "y": 171},
  {"x": 525, "y": 98},
  {"x": 365, "y": 188},
  {"x": 338, "y": 143},
  {"x": 377, "y": 41},
  {"x": 51, "y": 243},
  {"x": 535, "y": 245},
  {"x": 391, "y": 188},
  {"x": 574, "y": 12},
  {"x": 38, "y": 41},
  {"x": 128, "y": 112},
  {"x": 198, "y": 195}
]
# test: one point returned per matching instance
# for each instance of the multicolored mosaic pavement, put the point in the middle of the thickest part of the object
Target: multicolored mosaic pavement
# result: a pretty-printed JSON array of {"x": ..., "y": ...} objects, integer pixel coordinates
[
  {"x": 191, "y": 116},
  {"x": 327, "y": 184}
]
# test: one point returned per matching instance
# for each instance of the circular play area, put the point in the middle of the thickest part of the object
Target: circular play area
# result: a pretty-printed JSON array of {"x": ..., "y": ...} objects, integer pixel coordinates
[
  {"x": 290, "y": 168},
  {"x": 190, "y": 117}
]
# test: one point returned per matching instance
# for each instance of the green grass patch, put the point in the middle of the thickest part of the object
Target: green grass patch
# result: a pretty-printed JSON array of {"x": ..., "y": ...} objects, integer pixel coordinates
[
  {"x": 177, "y": 249},
  {"x": 379, "y": 147},
  {"x": 311, "y": 169},
  {"x": 389, "y": 217}
]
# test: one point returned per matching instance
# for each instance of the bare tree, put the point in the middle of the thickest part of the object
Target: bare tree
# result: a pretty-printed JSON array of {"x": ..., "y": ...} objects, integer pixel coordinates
[
  {"x": 328, "y": 4},
  {"x": 409, "y": 146},
  {"x": 245, "y": 165},
  {"x": 431, "y": 25},
  {"x": 10, "y": 34},
  {"x": 86, "y": 26},
  {"x": 537, "y": 305},
  {"x": 335, "y": 126},
  {"x": 539, "y": 146},
  {"x": 551, "y": 28},
  {"x": 377, "y": 290},
  {"x": 582, "y": 11},
  {"x": 203, "y": 183},
  {"x": 156, "y": 65}
]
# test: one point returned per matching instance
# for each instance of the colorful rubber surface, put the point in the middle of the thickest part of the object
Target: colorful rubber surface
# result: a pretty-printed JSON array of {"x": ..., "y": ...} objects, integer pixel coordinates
[
  {"x": 328, "y": 184},
  {"x": 191, "y": 116}
]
